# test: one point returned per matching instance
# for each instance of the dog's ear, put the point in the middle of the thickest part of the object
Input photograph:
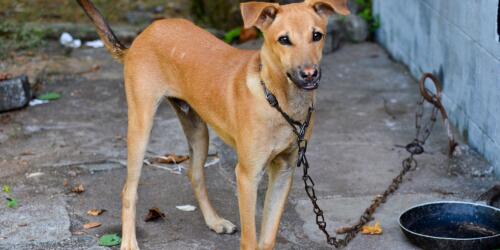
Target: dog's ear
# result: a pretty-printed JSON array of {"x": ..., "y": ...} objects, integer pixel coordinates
[
  {"x": 258, "y": 14},
  {"x": 326, "y": 8}
]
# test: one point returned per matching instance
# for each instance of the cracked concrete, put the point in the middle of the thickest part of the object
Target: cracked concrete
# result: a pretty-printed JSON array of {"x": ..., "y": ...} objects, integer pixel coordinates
[{"x": 364, "y": 111}]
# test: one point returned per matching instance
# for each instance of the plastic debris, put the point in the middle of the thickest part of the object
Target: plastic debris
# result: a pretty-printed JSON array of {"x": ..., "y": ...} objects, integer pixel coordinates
[
  {"x": 49, "y": 96},
  {"x": 110, "y": 240},
  {"x": 11, "y": 203},
  {"x": 33, "y": 175},
  {"x": 95, "y": 44},
  {"x": 212, "y": 162},
  {"x": 67, "y": 40},
  {"x": 186, "y": 208},
  {"x": 36, "y": 102}
]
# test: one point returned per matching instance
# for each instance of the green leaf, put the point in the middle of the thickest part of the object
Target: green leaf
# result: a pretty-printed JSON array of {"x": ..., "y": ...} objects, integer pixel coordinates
[
  {"x": 11, "y": 203},
  {"x": 6, "y": 189},
  {"x": 232, "y": 35},
  {"x": 109, "y": 240},
  {"x": 49, "y": 96}
]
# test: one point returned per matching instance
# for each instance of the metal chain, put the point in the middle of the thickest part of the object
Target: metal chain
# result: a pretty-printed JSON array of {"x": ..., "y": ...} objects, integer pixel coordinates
[{"x": 408, "y": 164}]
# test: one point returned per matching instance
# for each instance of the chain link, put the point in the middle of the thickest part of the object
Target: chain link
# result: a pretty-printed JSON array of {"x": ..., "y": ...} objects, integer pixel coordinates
[{"x": 408, "y": 164}]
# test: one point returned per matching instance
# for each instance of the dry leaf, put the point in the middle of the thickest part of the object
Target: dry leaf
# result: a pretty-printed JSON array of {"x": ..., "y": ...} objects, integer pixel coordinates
[
  {"x": 92, "y": 69},
  {"x": 343, "y": 230},
  {"x": 78, "y": 189},
  {"x": 154, "y": 214},
  {"x": 92, "y": 225},
  {"x": 5, "y": 76},
  {"x": 372, "y": 230},
  {"x": 170, "y": 159},
  {"x": 95, "y": 212}
]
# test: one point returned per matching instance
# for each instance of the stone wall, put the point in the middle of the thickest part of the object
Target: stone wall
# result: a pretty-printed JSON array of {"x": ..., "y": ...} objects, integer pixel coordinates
[{"x": 459, "y": 42}]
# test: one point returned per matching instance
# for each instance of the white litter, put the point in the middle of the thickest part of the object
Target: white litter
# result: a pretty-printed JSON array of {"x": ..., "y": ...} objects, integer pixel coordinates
[
  {"x": 212, "y": 162},
  {"x": 186, "y": 208},
  {"x": 33, "y": 175},
  {"x": 36, "y": 102},
  {"x": 95, "y": 44},
  {"x": 68, "y": 41}
]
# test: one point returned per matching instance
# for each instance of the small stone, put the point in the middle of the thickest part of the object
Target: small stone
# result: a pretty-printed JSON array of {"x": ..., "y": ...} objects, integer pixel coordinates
[
  {"x": 15, "y": 93},
  {"x": 356, "y": 28}
]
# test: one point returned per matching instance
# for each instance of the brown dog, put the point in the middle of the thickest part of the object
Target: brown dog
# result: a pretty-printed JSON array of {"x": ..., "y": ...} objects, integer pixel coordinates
[{"x": 220, "y": 86}]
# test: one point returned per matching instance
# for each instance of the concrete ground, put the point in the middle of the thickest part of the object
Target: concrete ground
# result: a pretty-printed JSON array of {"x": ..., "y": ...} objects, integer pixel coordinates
[{"x": 365, "y": 109}]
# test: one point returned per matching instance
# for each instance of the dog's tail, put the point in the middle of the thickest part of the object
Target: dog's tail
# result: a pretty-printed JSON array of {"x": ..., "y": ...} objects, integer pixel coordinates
[{"x": 111, "y": 42}]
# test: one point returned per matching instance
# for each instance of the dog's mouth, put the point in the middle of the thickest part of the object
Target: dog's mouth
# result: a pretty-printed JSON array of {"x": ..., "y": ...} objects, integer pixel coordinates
[{"x": 305, "y": 85}]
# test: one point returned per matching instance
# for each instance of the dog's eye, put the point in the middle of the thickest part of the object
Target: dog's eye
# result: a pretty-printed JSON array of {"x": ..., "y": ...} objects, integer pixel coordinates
[
  {"x": 317, "y": 36},
  {"x": 284, "y": 40}
]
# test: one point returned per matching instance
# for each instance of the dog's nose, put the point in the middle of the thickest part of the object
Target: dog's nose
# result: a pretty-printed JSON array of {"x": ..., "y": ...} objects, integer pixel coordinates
[{"x": 309, "y": 73}]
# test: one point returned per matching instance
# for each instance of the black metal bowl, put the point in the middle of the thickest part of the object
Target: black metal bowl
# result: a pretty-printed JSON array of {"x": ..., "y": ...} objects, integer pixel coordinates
[{"x": 452, "y": 225}]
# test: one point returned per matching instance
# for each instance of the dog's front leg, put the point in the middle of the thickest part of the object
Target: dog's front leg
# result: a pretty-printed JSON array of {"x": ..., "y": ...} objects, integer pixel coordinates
[
  {"x": 248, "y": 177},
  {"x": 280, "y": 173}
]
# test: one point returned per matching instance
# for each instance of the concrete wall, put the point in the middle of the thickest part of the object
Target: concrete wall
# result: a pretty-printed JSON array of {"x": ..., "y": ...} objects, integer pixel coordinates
[{"x": 458, "y": 41}]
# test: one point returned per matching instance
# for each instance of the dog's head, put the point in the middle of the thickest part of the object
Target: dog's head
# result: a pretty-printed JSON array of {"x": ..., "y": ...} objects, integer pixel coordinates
[{"x": 294, "y": 35}]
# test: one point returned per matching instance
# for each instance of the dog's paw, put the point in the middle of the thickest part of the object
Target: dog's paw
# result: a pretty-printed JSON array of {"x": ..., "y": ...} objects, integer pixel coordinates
[
  {"x": 223, "y": 226},
  {"x": 129, "y": 245}
]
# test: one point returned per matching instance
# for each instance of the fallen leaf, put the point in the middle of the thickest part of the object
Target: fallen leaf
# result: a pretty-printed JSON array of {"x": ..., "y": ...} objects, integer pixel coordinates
[
  {"x": 26, "y": 153},
  {"x": 79, "y": 233},
  {"x": 95, "y": 212},
  {"x": 186, "y": 208},
  {"x": 110, "y": 240},
  {"x": 11, "y": 203},
  {"x": 92, "y": 225},
  {"x": 6, "y": 189},
  {"x": 154, "y": 214},
  {"x": 372, "y": 230},
  {"x": 93, "y": 69},
  {"x": 5, "y": 76},
  {"x": 78, "y": 189},
  {"x": 22, "y": 225},
  {"x": 65, "y": 182},
  {"x": 49, "y": 96},
  {"x": 171, "y": 159},
  {"x": 343, "y": 230}
]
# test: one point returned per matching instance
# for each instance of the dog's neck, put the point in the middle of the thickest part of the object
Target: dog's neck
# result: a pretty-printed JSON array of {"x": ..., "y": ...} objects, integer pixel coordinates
[{"x": 293, "y": 100}]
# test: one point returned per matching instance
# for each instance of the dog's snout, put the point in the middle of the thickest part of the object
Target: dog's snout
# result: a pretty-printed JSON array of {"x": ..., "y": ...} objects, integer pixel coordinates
[
  {"x": 309, "y": 73},
  {"x": 306, "y": 77}
]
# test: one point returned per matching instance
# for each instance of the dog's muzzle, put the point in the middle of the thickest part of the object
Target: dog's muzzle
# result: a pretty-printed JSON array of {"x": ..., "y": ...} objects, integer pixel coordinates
[{"x": 307, "y": 78}]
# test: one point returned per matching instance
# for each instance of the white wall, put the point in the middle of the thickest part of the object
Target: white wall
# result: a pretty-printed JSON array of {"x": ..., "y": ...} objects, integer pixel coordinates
[{"x": 458, "y": 41}]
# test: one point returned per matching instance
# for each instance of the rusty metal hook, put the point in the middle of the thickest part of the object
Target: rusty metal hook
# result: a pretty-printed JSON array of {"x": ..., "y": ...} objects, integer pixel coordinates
[{"x": 435, "y": 99}]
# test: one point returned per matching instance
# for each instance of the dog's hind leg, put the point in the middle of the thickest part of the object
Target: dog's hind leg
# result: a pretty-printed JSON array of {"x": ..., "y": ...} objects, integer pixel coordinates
[
  {"x": 196, "y": 132},
  {"x": 142, "y": 105}
]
